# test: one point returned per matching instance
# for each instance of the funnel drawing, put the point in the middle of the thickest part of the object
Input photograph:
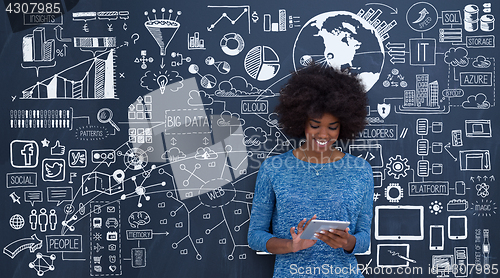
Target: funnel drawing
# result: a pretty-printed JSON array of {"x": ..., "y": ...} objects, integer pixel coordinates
[{"x": 163, "y": 30}]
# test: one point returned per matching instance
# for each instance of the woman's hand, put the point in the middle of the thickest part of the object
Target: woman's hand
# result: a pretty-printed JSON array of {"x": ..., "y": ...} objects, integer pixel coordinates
[
  {"x": 297, "y": 242},
  {"x": 338, "y": 239}
]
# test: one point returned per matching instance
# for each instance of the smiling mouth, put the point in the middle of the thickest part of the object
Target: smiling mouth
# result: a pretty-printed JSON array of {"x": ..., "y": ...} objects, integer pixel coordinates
[{"x": 322, "y": 143}]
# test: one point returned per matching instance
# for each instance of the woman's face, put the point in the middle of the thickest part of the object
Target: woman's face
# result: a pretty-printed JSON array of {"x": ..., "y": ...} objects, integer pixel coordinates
[{"x": 322, "y": 132}]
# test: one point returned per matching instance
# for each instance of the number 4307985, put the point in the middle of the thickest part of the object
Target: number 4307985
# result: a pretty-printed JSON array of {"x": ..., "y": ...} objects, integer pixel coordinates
[
  {"x": 33, "y": 8},
  {"x": 480, "y": 269}
]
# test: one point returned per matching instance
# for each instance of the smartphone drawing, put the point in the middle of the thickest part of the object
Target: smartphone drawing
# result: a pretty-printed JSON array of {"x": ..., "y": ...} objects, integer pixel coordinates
[{"x": 436, "y": 237}]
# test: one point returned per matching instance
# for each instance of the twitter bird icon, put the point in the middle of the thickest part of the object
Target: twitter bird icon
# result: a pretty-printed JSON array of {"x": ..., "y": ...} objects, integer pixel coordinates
[{"x": 53, "y": 169}]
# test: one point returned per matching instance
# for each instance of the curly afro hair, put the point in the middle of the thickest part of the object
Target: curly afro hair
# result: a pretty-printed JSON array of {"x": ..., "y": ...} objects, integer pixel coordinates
[{"x": 318, "y": 89}]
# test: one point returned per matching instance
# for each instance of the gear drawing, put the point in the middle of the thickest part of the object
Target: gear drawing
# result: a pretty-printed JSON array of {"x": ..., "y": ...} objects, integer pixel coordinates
[{"x": 397, "y": 166}]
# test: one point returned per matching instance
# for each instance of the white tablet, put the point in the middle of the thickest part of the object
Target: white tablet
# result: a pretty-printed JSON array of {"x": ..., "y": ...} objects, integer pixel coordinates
[{"x": 315, "y": 226}]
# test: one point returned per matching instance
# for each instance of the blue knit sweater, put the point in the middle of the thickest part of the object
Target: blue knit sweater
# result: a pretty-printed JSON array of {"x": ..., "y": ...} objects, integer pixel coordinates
[{"x": 288, "y": 190}]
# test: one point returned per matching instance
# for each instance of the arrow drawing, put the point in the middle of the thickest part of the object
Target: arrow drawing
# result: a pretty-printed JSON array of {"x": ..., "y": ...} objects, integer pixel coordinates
[
  {"x": 14, "y": 248},
  {"x": 422, "y": 13},
  {"x": 393, "y": 52},
  {"x": 58, "y": 29},
  {"x": 390, "y": 45},
  {"x": 395, "y": 60}
]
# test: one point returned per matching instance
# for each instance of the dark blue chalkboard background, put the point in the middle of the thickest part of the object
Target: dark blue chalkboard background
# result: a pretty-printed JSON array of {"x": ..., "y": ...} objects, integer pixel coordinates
[{"x": 121, "y": 161}]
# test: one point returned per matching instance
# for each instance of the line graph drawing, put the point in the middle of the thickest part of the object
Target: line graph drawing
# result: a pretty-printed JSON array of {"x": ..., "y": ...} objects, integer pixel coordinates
[
  {"x": 245, "y": 9},
  {"x": 97, "y": 81}
]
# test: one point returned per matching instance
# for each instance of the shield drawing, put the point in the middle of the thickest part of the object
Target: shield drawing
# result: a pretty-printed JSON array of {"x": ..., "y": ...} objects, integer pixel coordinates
[{"x": 383, "y": 110}]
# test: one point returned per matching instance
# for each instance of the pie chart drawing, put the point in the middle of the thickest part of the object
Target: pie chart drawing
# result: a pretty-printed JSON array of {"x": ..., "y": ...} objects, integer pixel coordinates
[
  {"x": 232, "y": 44},
  {"x": 208, "y": 81},
  {"x": 262, "y": 63}
]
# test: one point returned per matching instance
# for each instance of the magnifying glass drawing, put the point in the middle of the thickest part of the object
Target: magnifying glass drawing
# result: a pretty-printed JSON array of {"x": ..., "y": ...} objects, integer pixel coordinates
[{"x": 105, "y": 115}]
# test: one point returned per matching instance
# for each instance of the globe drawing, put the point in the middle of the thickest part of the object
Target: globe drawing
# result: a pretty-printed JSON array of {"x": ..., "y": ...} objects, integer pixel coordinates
[
  {"x": 341, "y": 39},
  {"x": 16, "y": 221}
]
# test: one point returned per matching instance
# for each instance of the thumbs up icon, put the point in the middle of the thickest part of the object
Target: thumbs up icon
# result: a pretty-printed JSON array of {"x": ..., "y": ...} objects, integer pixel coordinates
[{"x": 57, "y": 149}]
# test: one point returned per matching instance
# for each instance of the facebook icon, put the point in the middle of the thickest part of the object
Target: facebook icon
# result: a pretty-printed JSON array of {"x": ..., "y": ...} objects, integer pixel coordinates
[{"x": 24, "y": 154}]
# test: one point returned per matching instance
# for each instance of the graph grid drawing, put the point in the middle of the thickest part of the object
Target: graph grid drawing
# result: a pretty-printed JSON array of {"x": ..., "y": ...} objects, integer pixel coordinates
[{"x": 97, "y": 82}]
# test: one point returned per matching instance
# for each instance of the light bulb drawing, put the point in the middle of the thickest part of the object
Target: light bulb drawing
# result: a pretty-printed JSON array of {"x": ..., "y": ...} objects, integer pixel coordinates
[
  {"x": 162, "y": 81},
  {"x": 163, "y": 30}
]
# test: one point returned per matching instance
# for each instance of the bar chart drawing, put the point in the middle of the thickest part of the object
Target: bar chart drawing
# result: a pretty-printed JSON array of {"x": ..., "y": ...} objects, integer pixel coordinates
[
  {"x": 36, "y": 48},
  {"x": 194, "y": 42},
  {"x": 97, "y": 82},
  {"x": 38, "y": 52},
  {"x": 373, "y": 17},
  {"x": 279, "y": 26}
]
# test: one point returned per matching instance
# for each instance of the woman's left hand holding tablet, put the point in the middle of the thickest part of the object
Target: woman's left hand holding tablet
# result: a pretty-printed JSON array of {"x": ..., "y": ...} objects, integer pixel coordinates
[{"x": 338, "y": 239}]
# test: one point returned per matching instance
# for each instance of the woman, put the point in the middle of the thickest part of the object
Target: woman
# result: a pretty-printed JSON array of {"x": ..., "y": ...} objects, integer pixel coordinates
[{"x": 315, "y": 180}]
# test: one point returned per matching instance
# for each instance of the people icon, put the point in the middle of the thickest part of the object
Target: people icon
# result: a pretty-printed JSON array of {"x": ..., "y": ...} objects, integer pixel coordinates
[
  {"x": 52, "y": 219},
  {"x": 33, "y": 219},
  {"x": 43, "y": 220}
]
